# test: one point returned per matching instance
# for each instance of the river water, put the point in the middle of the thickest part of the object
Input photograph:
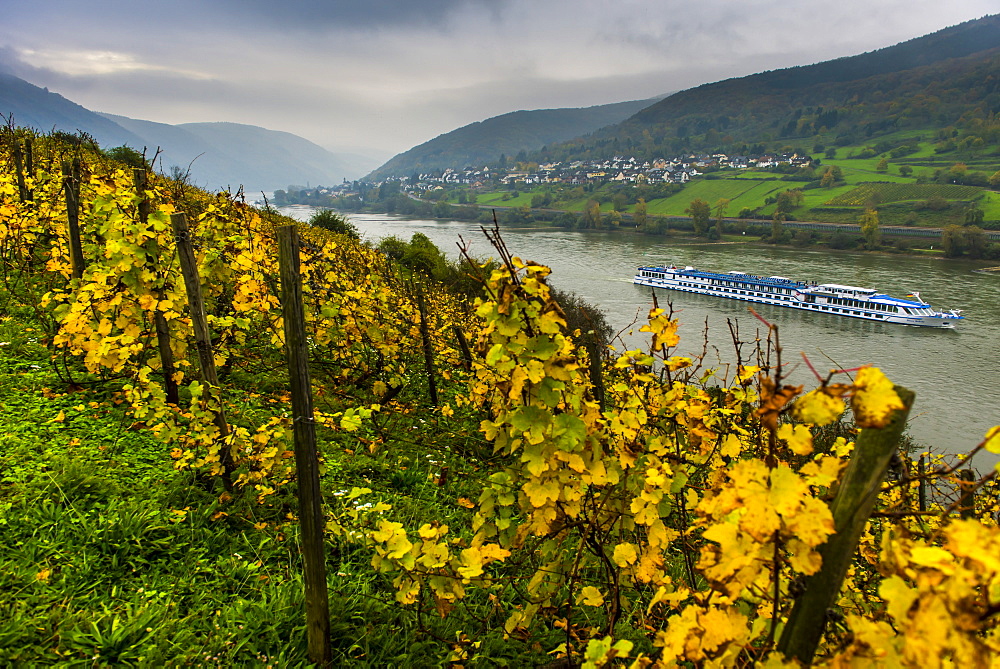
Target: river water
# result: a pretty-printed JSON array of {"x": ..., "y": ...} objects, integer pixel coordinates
[{"x": 955, "y": 373}]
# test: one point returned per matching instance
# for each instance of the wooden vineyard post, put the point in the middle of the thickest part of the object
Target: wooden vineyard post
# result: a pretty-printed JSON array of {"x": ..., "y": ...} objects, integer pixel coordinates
[
  {"x": 922, "y": 486},
  {"x": 463, "y": 344},
  {"x": 203, "y": 340},
  {"x": 967, "y": 485},
  {"x": 22, "y": 189},
  {"x": 311, "y": 519},
  {"x": 425, "y": 337},
  {"x": 596, "y": 375},
  {"x": 71, "y": 187},
  {"x": 851, "y": 508},
  {"x": 29, "y": 155},
  {"x": 159, "y": 321}
]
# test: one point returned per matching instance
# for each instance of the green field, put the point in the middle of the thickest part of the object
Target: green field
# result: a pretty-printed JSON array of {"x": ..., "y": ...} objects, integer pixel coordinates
[{"x": 740, "y": 192}]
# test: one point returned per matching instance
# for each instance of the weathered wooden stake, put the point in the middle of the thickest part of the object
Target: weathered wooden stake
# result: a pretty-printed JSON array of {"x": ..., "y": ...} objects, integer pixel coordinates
[
  {"x": 851, "y": 508},
  {"x": 22, "y": 189},
  {"x": 311, "y": 519},
  {"x": 428, "y": 351},
  {"x": 71, "y": 187},
  {"x": 922, "y": 486},
  {"x": 967, "y": 502},
  {"x": 596, "y": 375},
  {"x": 463, "y": 345},
  {"x": 203, "y": 339},
  {"x": 159, "y": 321}
]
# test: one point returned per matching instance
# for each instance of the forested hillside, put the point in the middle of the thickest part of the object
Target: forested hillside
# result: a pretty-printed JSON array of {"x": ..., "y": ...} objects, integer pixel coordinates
[
  {"x": 950, "y": 78},
  {"x": 485, "y": 142},
  {"x": 216, "y": 155}
]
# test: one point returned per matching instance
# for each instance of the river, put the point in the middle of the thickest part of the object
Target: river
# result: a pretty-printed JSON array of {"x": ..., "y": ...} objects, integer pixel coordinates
[{"x": 955, "y": 373}]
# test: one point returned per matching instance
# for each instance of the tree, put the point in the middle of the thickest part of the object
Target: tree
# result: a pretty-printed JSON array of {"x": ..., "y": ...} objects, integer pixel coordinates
[
  {"x": 973, "y": 214},
  {"x": 995, "y": 180},
  {"x": 870, "y": 229},
  {"x": 788, "y": 200},
  {"x": 720, "y": 213},
  {"x": 905, "y": 170},
  {"x": 952, "y": 241},
  {"x": 777, "y": 227},
  {"x": 700, "y": 212},
  {"x": 424, "y": 256},
  {"x": 619, "y": 201},
  {"x": 827, "y": 181},
  {"x": 957, "y": 172},
  {"x": 640, "y": 214},
  {"x": 882, "y": 166},
  {"x": 591, "y": 217},
  {"x": 128, "y": 155},
  {"x": 975, "y": 241},
  {"x": 328, "y": 220}
]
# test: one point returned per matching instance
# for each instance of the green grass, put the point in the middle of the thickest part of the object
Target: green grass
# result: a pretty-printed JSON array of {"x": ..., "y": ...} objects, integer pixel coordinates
[
  {"x": 990, "y": 204},
  {"x": 740, "y": 192},
  {"x": 496, "y": 199},
  {"x": 113, "y": 558}
]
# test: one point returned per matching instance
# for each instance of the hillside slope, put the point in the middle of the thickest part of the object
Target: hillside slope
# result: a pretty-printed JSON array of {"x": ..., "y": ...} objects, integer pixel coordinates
[
  {"x": 233, "y": 154},
  {"x": 220, "y": 155},
  {"x": 508, "y": 134},
  {"x": 38, "y": 108},
  {"x": 928, "y": 82}
]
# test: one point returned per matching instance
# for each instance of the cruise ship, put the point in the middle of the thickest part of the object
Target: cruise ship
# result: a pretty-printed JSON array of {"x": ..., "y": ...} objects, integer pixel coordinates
[{"x": 827, "y": 298}]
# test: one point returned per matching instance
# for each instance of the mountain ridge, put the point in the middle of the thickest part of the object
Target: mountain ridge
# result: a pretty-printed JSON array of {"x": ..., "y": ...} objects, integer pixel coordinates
[
  {"x": 483, "y": 142},
  {"x": 220, "y": 154},
  {"x": 844, "y": 95}
]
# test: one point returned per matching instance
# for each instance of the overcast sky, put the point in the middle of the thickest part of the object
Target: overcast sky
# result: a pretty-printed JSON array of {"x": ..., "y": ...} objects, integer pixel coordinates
[{"x": 389, "y": 74}]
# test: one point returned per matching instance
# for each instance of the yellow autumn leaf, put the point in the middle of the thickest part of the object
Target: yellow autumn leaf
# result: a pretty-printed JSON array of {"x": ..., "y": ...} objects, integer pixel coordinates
[
  {"x": 475, "y": 558},
  {"x": 822, "y": 472},
  {"x": 993, "y": 439},
  {"x": 931, "y": 556},
  {"x": 798, "y": 437},
  {"x": 818, "y": 407},
  {"x": 802, "y": 557},
  {"x": 786, "y": 491},
  {"x": 625, "y": 555},
  {"x": 466, "y": 502},
  {"x": 541, "y": 492},
  {"x": 590, "y": 596},
  {"x": 43, "y": 575},
  {"x": 731, "y": 446},
  {"x": 874, "y": 398},
  {"x": 898, "y": 596}
]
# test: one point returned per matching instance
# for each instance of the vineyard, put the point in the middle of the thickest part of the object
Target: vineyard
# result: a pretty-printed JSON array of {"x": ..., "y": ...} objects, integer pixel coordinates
[
  {"x": 493, "y": 491},
  {"x": 884, "y": 193}
]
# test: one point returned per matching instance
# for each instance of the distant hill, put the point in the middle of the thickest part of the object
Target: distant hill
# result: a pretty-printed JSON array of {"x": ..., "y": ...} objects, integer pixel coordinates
[
  {"x": 484, "y": 142},
  {"x": 231, "y": 154},
  {"x": 38, "y": 108},
  {"x": 934, "y": 81},
  {"x": 220, "y": 154}
]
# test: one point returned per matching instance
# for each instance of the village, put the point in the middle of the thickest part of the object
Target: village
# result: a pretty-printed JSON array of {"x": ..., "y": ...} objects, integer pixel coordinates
[{"x": 624, "y": 170}]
